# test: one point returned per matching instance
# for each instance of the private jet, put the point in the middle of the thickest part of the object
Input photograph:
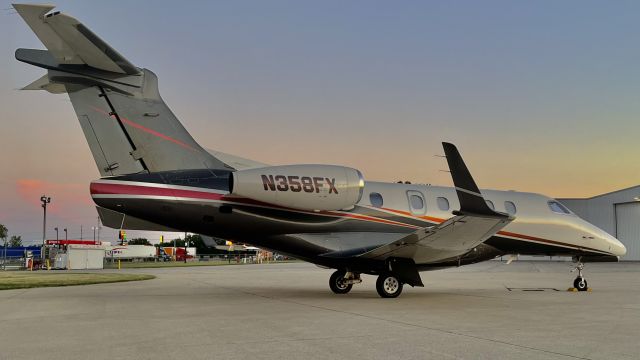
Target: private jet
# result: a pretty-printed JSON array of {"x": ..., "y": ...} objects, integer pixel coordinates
[{"x": 155, "y": 176}]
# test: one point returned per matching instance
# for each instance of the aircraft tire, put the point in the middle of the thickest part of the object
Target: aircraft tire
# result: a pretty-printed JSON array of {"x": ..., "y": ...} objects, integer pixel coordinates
[
  {"x": 388, "y": 285},
  {"x": 336, "y": 284},
  {"x": 580, "y": 283}
]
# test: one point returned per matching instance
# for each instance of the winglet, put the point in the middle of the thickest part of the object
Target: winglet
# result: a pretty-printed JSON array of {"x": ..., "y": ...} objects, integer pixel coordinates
[{"x": 471, "y": 200}]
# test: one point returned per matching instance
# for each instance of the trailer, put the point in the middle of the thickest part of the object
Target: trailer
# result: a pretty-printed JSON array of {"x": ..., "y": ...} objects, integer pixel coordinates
[
  {"x": 130, "y": 252},
  {"x": 79, "y": 257}
]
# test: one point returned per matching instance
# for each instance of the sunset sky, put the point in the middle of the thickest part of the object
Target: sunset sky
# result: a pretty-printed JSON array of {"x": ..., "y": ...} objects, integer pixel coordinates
[{"x": 539, "y": 96}]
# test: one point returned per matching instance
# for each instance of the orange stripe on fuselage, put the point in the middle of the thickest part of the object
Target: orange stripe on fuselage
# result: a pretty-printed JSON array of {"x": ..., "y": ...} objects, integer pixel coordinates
[
  {"x": 424, "y": 217},
  {"x": 504, "y": 233}
]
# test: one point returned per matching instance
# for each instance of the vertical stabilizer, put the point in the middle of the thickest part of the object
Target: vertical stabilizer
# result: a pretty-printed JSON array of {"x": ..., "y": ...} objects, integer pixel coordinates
[{"x": 128, "y": 126}]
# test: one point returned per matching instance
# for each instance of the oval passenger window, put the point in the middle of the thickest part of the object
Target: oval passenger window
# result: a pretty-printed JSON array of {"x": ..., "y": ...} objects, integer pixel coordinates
[
  {"x": 416, "y": 202},
  {"x": 443, "y": 203},
  {"x": 376, "y": 199}
]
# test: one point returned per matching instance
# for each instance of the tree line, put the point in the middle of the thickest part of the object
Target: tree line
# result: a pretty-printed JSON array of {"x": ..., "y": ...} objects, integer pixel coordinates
[
  {"x": 14, "y": 241},
  {"x": 193, "y": 240}
]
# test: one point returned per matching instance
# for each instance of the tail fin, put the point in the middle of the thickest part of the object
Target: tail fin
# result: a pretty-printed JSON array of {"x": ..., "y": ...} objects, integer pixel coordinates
[{"x": 128, "y": 126}]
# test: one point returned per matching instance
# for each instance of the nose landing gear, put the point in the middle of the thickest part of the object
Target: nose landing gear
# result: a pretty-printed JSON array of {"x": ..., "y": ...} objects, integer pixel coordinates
[
  {"x": 341, "y": 281},
  {"x": 580, "y": 283}
]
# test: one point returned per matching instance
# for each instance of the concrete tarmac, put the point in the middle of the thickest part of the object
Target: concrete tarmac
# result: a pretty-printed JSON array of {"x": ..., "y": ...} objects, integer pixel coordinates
[{"x": 286, "y": 311}]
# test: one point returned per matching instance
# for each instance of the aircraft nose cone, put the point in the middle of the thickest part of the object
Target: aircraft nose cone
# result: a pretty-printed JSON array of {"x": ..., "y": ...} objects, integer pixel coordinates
[{"x": 617, "y": 248}]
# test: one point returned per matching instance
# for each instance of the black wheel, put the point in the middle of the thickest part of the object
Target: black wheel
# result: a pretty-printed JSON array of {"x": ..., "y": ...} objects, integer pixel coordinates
[
  {"x": 337, "y": 284},
  {"x": 388, "y": 286},
  {"x": 580, "y": 283}
]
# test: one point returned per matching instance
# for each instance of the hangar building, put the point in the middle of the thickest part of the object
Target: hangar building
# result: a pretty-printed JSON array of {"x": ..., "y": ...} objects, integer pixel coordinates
[{"x": 617, "y": 213}]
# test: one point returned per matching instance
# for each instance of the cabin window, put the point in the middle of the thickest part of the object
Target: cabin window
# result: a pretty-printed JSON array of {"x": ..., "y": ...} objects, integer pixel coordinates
[
  {"x": 376, "y": 199},
  {"x": 490, "y": 204},
  {"x": 416, "y": 202},
  {"x": 443, "y": 203},
  {"x": 557, "y": 207},
  {"x": 510, "y": 207}
]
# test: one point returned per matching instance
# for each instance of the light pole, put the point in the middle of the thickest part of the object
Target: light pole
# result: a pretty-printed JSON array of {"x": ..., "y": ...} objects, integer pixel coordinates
[
  {"x": 4, "y": 261},
  {"x": 65, "y": 234},
  {"x": 57, "y": 233},
  {"x": 94, "y": 233},
  {"x": 98, "y": 227},
  {"x": 45, "y": 200},
  {"x": 185, "y": 248}
]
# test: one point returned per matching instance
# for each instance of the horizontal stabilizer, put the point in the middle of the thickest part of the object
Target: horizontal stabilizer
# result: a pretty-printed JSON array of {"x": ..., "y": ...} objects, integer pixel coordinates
[
  {"x": 43, "y": 83},
  {"x": 70, "y": 42}
]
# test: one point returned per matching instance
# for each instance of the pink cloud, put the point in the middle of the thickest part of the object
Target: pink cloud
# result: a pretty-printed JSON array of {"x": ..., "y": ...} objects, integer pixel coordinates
[{"x": 65, "y": 196}]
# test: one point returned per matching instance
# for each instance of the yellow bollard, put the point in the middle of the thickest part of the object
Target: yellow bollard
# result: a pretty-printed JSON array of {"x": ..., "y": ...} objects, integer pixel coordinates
[
  {"x": 48, "y": 265},
  {"x": 118, "y": 264}
]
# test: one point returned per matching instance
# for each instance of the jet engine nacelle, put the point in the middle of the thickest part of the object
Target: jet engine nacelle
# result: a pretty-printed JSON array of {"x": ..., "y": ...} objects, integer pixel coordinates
[{"x": 304, "y": 187}]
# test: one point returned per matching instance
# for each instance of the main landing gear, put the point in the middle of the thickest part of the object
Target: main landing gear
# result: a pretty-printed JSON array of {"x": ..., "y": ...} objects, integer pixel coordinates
[
  {"x": 580, "y": 283},
  {"x": 388, "y": 284}
]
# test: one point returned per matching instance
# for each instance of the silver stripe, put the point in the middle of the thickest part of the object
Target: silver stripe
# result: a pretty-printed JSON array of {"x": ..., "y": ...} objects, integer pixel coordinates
[{"x": 162, "y": 186}]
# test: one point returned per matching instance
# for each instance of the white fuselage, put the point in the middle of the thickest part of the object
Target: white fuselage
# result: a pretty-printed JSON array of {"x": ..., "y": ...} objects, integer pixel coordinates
[{"x": 535, "y": 221}]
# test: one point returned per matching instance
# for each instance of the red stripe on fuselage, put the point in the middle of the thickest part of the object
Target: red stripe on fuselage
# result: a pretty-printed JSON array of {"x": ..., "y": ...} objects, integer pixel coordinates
[{"x": 122, "y": 189}]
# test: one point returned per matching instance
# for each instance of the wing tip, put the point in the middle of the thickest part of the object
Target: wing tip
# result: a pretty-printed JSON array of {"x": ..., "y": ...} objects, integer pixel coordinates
[
  {"x": 39, "y": 9},
  {"x": 469, "y": 195}
]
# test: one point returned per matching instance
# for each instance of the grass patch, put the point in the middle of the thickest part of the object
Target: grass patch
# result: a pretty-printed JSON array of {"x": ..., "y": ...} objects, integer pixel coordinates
[
  {"x": 24, "y": 280},
  {"x": 170, "y": 264}
]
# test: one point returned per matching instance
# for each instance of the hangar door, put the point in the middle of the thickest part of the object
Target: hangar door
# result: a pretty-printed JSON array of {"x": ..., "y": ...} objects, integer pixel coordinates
[{"x": 628, "y": 228}]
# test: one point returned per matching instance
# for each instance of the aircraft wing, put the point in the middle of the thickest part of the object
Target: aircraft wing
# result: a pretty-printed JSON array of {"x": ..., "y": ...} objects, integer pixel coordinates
[
  {"x": 456, "y": 236},
  {"x": 474, "y": 223}
]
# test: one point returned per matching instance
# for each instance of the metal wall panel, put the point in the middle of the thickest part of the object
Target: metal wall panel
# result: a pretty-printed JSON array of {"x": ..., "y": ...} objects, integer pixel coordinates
[{"x": 628, "y": 228}]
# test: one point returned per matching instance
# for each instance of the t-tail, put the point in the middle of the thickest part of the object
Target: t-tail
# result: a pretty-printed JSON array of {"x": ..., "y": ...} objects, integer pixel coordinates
[{"x": 128, "y": 126}]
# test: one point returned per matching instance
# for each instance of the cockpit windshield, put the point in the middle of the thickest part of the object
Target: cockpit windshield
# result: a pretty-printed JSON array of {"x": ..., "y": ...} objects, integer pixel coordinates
[{"x": 557, "y": 207}]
